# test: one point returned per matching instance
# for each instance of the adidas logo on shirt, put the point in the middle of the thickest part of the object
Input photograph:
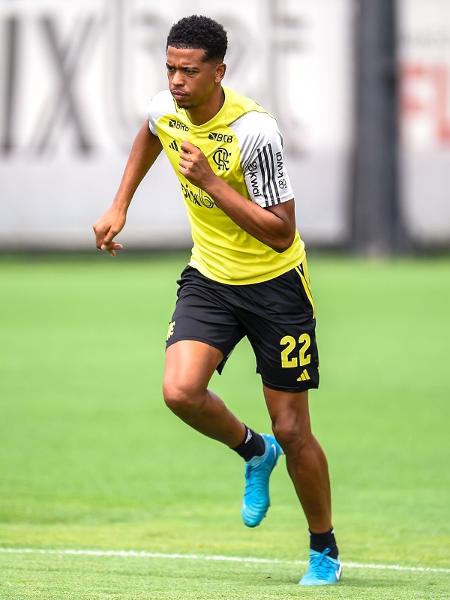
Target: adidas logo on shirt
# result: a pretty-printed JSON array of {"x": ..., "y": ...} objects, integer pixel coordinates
[{"x": 174, "y": 146}]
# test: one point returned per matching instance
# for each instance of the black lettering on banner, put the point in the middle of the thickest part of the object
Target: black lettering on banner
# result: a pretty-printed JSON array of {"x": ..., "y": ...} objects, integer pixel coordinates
[
  {"x": 11, "y": 36},
  {"x": 288, "y": 41},
  {"x": 64, "y": 106},
  {"x": 123, "y": 24}
]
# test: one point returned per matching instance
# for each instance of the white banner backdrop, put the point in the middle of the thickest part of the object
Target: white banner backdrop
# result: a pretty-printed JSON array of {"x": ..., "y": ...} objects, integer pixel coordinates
[
  {"x": 75, "y": 78},
  {"x": 425, "y": 105}
]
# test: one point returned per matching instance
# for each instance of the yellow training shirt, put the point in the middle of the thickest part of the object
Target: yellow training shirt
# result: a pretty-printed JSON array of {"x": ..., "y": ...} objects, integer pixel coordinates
[{"x": 244, "y": 147}]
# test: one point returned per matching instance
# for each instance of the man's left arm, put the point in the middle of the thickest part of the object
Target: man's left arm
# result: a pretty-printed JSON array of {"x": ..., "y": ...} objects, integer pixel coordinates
[{"x": 274, "y": 225}]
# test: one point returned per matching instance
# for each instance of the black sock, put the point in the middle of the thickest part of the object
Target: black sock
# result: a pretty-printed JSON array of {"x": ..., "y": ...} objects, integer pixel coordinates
[
  {"x": 252, "y": 444},
  {"x": 320, "y": 541}
]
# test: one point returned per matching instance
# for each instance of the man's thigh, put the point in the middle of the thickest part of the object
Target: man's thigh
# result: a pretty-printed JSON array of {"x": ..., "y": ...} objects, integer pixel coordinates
[
  {"x": 281, "y": 329},
  {"x": 190, "y": 365},
  {"x": 204, "y": 314}
]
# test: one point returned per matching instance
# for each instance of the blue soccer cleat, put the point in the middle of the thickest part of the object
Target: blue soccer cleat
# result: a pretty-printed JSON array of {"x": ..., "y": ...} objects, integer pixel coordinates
[
  {"x": 323, "y": 570},
  {"x": 257, "y": 473}
]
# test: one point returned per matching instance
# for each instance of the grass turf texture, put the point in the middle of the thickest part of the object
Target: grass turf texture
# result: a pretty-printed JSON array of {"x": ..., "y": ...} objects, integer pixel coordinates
[{"x": 91, "y": 458}]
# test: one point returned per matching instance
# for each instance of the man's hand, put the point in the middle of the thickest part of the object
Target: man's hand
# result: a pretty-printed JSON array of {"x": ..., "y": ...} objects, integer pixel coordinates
[
  {"x": 145, "y": 150},
  {"x": 106, "y": 229},
  {"x": 195, "y": 166}
]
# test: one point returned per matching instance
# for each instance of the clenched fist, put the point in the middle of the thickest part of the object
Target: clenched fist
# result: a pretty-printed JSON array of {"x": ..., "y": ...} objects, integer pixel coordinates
[{"x": 195, "y": 166}]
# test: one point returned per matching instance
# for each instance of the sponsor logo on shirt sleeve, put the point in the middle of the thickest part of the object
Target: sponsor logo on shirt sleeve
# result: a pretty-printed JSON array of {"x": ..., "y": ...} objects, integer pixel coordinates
[{"x": 282, "y": 183}]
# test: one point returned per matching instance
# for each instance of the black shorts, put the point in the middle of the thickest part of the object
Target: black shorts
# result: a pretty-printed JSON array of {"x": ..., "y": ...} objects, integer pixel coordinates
[{"x": 277, "y": 316}]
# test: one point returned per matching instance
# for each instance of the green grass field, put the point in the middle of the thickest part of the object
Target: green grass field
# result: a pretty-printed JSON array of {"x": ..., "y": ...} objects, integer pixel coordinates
[{"x": 91, "y": 459}]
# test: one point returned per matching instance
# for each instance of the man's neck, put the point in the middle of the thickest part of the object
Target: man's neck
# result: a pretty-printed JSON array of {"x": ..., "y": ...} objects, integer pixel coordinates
[{"x": 204, "y": 113}]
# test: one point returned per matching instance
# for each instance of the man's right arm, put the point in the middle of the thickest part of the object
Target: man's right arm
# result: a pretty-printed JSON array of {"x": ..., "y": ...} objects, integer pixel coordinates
[{"x": 145, "y": 150}]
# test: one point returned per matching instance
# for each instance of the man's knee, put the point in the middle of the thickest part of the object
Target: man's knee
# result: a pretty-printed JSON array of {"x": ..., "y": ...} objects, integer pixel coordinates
[
  {"x": 290, "y": 431},
  {"x": 182, "y": 397}
]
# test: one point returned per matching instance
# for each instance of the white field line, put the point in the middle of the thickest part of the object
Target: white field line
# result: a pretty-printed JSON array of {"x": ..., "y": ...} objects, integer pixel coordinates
[{"x": 212, "y": 557}]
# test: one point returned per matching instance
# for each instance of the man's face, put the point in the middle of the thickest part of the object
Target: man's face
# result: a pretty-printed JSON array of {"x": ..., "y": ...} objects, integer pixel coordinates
[{"x": 192, "y": 80}]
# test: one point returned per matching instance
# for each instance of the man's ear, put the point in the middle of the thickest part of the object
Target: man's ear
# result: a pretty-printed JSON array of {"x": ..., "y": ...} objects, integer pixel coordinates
[{"x": 220, "y": 72}]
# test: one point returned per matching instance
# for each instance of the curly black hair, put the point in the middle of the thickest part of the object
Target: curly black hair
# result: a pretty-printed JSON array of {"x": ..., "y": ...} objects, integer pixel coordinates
[{"x": 199, "y": 32}]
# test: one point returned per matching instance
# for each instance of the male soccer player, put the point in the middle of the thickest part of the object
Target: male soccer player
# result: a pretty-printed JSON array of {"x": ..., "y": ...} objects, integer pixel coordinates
[{"x": 247, "y": 276}]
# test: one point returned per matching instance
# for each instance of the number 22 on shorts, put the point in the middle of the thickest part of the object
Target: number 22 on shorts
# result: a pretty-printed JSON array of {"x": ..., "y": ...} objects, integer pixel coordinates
[{"x": 289, "y": 358}]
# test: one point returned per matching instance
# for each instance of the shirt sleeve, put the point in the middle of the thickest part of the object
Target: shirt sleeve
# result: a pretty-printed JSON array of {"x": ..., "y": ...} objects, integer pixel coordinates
[
  {"x": 262, "y": 160},
  {"x": 160, "y": 104},
  {"x": 151, "y": 116}
]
